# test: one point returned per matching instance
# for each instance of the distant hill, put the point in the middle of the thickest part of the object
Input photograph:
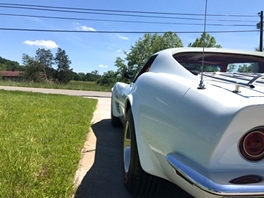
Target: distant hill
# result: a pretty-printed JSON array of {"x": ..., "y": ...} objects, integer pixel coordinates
[{"x": 9, "y": 65}]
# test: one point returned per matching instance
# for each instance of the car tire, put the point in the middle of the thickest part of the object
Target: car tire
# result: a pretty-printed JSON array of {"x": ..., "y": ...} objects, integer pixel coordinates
[
  {"x": 115, "y": 121},
  {"x": 136, "y": 180}
]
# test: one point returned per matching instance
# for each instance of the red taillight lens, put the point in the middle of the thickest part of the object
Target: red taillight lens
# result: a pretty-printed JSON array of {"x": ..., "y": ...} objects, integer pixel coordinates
[{"x": 252, "y": 145}]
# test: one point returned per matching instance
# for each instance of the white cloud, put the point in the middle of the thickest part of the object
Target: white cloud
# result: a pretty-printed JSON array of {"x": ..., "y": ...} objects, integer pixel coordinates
[
  {"x": 83, "y": 27},
  {"x": 103, "y": 66},
  {"x": 122, "y": 37},
  {"x": 118, "y": 50},
  {"x": 42, "y": 43}
]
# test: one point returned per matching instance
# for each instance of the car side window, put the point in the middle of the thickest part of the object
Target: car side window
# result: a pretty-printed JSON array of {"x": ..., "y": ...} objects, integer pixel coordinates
[{"x": 146, "y": 67}]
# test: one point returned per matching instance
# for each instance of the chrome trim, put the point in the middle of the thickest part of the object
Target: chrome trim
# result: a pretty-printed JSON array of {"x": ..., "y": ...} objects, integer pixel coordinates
[
  {"x": 253, "y": 80},
  {"x": 238, "y": 77},
  {"x": 195, "y": 176}
]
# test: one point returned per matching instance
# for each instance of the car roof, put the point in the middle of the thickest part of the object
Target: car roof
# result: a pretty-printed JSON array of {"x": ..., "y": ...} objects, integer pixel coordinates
[
  {"x": 216, "y": 50},
  {"x": 165, "y": 63}
]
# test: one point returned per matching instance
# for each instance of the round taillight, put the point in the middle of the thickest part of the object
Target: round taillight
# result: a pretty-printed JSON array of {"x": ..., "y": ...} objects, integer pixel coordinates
[{"x": 252, "y": 145}]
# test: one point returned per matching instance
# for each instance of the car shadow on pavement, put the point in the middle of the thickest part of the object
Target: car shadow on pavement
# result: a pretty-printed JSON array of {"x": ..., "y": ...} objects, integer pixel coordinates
[{"x": 104, "y": 179}]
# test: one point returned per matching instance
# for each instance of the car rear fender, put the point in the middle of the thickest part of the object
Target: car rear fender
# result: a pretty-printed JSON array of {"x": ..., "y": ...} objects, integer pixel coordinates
[
  {"x": 147, "y": 158},
  {"x": 144, "y": 97},
  {"x": 245, "y": 120}
]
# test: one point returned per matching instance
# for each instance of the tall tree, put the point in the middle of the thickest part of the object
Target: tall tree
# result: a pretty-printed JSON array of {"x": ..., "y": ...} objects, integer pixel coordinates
[
  {"x": 205, "y": 41},
  {"x": 64, "y": 72},
  {"x": 143, "y": 49},
  {"x": 33, "y": 69},
  {"x": 45, "y": 59},
  {"x": 122, "y": 67}
]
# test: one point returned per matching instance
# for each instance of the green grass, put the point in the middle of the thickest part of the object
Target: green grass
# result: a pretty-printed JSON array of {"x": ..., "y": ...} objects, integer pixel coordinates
[
  {"x": 73, "y": 85},
  {"x": 40, "y": 142}
]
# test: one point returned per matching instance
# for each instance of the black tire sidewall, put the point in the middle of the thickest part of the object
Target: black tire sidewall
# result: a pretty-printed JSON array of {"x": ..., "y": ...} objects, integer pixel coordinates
[{"x": 114, "y": 120}]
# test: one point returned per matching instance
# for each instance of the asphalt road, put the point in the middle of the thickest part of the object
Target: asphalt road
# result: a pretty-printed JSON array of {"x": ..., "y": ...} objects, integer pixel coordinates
[{"x": 104, "y": 176}]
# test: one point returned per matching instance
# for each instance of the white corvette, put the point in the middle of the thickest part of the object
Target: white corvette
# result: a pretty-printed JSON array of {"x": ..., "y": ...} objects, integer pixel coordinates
[{"x": 203, "y": 131}]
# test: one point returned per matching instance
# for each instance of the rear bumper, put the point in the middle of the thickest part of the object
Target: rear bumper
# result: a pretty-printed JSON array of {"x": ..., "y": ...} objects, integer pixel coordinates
[{"x": 195, "y": 176}]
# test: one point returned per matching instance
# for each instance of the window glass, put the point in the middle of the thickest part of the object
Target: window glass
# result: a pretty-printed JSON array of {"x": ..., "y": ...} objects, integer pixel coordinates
[
  {"x": 220, "y": 62},
  {"x": 146, "y": 67},
  {"x": 243, "y": 67}
]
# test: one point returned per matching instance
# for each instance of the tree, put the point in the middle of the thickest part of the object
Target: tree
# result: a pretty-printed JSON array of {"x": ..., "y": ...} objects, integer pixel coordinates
[
  {"x": 108, "y": 78},
  {"x": 81, "y": 76},
  {"x": 245, "y": 68},
  {"x": 9, "y": 65},
  {"x": 45, "y": 59},
  {"x": 32, "y": 69},
  {"x": 93, "y": 76},
  {"x": 122, "y": 68},
  {"x": 143, "y": 49},
  {"x": 258, "y": 49},
  {"x": 95, "y": 72},
  {"x": 205, "y": 41},
  {"x": 2, "y": 67},
  {"x": 64, "y": 73},
  {"x": 231, "y": 67}
]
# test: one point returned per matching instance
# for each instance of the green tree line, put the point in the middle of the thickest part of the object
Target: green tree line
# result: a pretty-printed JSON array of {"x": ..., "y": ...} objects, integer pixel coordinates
[
  {"x": 41, "y": 67},
  {"x": 9, "y": 65},
  {"x": 144, "y": 48},
  {"x": 47, "y": 68}
]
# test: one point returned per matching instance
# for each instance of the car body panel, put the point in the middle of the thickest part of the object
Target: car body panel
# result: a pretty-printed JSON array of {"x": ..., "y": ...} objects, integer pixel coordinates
[{"x": 177, "y": 123}]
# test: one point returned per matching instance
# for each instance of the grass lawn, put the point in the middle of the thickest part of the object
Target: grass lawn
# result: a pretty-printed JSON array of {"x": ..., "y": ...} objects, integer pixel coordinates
[
  {"x": 40, "y": 142},
  {"x": 73, "y": 85}
]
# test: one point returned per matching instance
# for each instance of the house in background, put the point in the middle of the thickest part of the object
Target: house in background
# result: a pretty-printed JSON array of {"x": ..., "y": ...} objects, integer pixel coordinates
[{"x": 11, "y": 75}]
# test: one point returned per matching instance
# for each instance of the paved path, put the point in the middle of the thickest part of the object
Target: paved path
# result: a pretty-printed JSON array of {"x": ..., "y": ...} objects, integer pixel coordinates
[
  {"x": 100, "y": 170},
  {"x": 95, "y": 94}
]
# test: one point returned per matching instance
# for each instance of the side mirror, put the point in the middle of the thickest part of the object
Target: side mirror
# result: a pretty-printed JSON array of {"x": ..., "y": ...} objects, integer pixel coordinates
[{"x": 128, "y": 75}]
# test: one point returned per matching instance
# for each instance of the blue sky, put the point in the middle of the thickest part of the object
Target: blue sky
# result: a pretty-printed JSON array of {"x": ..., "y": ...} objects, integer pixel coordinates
[{"x": 91, "y": 51}]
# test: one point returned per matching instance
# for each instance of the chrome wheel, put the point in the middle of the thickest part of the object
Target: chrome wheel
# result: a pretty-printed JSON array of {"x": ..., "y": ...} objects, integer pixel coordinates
[{"x": 127, "y": 147}]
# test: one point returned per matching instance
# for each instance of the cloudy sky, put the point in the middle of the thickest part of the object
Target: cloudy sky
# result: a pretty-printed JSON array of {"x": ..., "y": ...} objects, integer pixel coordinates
[{"x": 93, "y": 33}]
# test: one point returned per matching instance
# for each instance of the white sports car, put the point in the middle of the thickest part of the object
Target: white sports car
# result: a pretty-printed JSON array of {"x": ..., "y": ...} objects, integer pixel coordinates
[{"x": 203, "y": 131}]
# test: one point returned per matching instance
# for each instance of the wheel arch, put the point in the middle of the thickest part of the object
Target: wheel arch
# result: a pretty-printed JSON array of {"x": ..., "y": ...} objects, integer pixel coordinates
[
  {"x": 128, "y": 104},
  {"x": 147, "y": 158}
]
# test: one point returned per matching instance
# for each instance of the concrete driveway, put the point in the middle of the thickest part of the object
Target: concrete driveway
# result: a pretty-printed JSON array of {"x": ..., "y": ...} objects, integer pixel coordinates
[{"x": 100, "y": 170}]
